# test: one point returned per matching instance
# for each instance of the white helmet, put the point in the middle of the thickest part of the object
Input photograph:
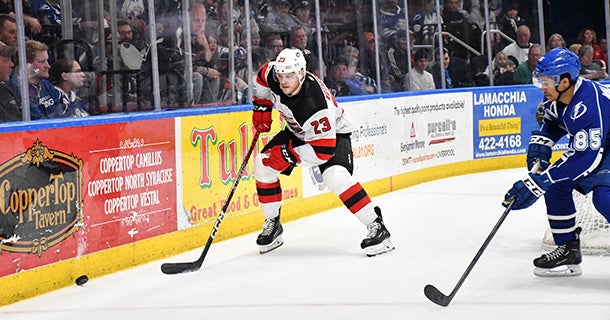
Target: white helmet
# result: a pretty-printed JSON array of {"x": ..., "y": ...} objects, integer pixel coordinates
[{"x": 290, "y": 60}]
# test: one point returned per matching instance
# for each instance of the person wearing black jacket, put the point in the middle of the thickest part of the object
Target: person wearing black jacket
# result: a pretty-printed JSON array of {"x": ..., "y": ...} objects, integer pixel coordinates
[
  {"x": 457, "y": 71},
  {"x": 10, "y": 107}
]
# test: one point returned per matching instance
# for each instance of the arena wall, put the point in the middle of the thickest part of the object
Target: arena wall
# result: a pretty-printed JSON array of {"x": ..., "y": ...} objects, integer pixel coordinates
[{"x": 104, "y": 194}]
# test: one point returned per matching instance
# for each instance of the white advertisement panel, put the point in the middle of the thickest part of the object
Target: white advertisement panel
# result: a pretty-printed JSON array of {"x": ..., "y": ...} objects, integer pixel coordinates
[{"x": 398, "y": 135}]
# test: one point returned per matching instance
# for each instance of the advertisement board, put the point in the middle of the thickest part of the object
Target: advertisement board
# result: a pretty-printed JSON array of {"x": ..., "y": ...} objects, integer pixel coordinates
[{"x": 68, "y": 192}]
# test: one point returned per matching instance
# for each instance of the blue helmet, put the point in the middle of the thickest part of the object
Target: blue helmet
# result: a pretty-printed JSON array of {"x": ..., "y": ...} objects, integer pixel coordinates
[{"x": 556, "y": 63}]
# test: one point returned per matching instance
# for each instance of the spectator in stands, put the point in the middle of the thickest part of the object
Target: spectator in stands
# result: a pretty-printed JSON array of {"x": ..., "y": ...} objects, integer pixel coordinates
[
  {"x": 48, "y": 13},
  {"x": 425, "y": 23},
  {"x": 130, "y": 55},
  {"x": 352, "y": 56},
  {"x": 210, "y": 72},
  {"x": 574, "y": 47},
  {"x": 124, "y": 31},
  {"x": 587, "y": 36},
  {"x": 32, "y": 25},
  {"x": 391, "y": 21},
  {"x": 456, "y": 23},
  {"x": 368, "y": 55},
  {"x": 260, "y": 56},
  {"x": 41, "y": 90},
  {"x": 8, "y": 30},
  {"x": 316, "y": 71},
  {"x": 202, "y": 55},
  {"x": 333, "y": 80},
  {"x": 213, "y": 18},
  {"x": 222, "y": 35},
  {"x": 225, "y": 93},
  {"x": 255, "y": 38},
  {"x": 476, "y": 19},
  {"x": 520, "y": 49},
  {"x": 275, "y": 44},
  {"x": 279, "y": 19},
  {"x": 496, "y": 7},
  {"x": 236, "y": 18},
  {"x": 10, "y": 106},
  {"x": 133, "y": 9},
  {"x": 503, "y": 70},
  {"x": 477, "y": 16},
  {"x": 127, "y": 33},
  {"x": 588, "y": 68},
  {"x": 299, "y": 40},
  {"x": 510, "y": 22},
  {"x": 420, "y": 79},
  {"x": 340, "y": 83},
  {"x": 303, "y": 15},
  {"x": 457, "y": 73},
  {"x": 603, "y": 44},
  {"x": 523, "y": 73},
  {"x": 398, "y": 62},
  {"x": 555, "y": 40},
  {"x": 8, "y": 36},
  {"x": 67, "y": 77}
]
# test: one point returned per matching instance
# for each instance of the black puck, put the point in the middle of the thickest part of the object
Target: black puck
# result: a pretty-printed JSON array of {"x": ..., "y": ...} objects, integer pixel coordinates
[{"x": 81, "y": 280}]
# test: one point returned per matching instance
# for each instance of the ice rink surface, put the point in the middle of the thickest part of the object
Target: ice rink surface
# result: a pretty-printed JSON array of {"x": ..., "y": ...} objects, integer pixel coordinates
[{"x": 321, "y": 273}]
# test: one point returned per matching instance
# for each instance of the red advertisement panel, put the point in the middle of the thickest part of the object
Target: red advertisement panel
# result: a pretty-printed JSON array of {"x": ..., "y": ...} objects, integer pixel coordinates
[{"x": 71, "y": 191}]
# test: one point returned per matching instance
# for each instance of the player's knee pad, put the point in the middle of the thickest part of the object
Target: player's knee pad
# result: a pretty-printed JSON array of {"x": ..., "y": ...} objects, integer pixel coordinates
[
  {"x": 263, "y": 173},
  {"x": 337, "y": 179},
  {"x": 601, "y": 200}
]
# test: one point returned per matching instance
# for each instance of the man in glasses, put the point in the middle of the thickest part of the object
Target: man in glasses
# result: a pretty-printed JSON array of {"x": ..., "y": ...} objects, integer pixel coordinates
[{"x": 580, "y": 109}]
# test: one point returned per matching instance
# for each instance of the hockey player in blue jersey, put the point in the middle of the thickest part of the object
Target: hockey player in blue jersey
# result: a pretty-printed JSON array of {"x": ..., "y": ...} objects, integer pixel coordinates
[{"x": 578, "y": 108}]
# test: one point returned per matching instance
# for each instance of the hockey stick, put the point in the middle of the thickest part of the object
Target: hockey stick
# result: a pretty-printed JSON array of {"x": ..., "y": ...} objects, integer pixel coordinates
[
  {"x": 442, "y": 300},
  {"x": 181, "y": 267}
]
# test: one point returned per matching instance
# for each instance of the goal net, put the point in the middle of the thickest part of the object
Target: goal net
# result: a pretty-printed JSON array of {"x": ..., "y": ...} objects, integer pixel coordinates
[{"x": 595, "y": 235}]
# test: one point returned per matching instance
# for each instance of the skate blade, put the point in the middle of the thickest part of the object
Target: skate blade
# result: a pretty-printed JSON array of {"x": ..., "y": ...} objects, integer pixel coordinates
[
  {"x": 385, "y": 246},
  {"x": 570, "y": 270},
  {"x": 272, "y": 246}
]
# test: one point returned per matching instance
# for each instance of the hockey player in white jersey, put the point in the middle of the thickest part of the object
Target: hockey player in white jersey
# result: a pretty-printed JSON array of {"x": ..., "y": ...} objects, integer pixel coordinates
[
  {"x": 317, "y": 133},
  {"x": 579, "y": 108}
]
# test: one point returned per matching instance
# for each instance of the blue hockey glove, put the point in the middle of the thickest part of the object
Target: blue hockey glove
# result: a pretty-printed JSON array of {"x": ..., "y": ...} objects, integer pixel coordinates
[
  {"x": 527, "y": 191},
  {"x": 539, "y": 150}
]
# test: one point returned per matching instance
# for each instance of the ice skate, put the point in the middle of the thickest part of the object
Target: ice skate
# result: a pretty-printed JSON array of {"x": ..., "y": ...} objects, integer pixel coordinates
[
  {"x": 271, "y": 237},
  {"x": 378, "y": 239},
  {"x": 561, "y": 262}
]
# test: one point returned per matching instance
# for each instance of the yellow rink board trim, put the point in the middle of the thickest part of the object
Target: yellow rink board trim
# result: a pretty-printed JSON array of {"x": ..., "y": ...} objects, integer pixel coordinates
[{"x": 41, "y": 280}]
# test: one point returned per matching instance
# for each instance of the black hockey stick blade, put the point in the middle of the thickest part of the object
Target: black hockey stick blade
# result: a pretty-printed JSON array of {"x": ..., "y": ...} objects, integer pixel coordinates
[
  {"x": 436, "y": 296},
  {"x": 182, "y": 267}
]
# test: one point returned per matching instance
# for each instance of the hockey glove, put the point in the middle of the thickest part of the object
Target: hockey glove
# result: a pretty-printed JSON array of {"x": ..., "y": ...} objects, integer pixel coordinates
[
  {"x": 539, "y": 151},
  {"x": 527, "y": 191},
  {"x": 281, "y": 157},
  {"x": 261, "y": 115}
]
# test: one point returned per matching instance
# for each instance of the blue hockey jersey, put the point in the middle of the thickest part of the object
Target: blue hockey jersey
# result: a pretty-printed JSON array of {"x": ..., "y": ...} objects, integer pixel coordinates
[
  {"x": 586, "y": 121},
  {"x": 42, "y": 102}
]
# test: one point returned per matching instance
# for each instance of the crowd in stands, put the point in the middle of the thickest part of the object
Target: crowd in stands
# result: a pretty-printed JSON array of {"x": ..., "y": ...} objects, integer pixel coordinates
[{"x": 215, "y": 70}]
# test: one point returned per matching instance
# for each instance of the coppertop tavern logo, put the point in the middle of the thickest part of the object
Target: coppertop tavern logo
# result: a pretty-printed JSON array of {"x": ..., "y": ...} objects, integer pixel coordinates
[{"x": 40, "y": 199}]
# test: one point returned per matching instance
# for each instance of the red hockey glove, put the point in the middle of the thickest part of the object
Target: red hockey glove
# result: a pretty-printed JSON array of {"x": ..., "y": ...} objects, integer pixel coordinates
[
  {"x": 281, "y": 157},
  {"x": 261, "y": 115}
]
